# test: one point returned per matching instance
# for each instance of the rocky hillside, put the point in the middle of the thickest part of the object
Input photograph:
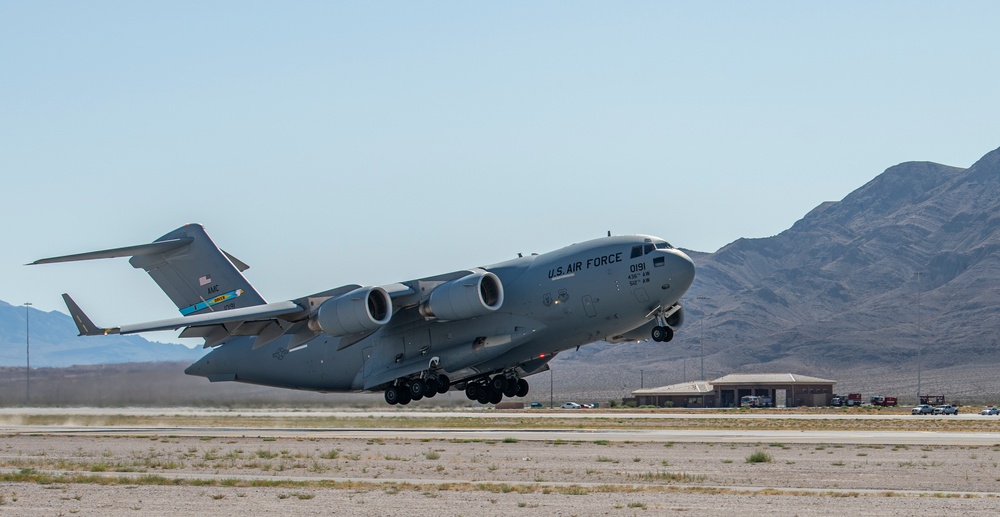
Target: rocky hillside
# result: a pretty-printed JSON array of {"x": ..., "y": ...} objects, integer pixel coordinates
[{"x": 850, "y": 292}]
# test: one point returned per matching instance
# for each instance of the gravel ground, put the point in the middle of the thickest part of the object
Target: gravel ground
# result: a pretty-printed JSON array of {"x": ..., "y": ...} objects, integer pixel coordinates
[{"x": 177, "y": 476}]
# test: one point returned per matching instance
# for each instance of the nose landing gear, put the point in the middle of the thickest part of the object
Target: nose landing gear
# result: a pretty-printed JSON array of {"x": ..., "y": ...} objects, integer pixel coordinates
[{"x": 662, "y": 332}]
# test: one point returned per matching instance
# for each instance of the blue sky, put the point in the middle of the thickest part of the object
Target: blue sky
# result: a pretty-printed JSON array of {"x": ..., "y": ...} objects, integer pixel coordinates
[{"x": 327, "y": 143}]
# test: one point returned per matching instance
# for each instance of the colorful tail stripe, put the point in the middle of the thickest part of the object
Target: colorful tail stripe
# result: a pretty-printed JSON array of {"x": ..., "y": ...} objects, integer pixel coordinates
[{"x": 204, "y": 304}]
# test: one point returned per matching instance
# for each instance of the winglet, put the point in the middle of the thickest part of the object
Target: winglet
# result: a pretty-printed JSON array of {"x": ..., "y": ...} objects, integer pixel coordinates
[{"x": 83, "y": 323}]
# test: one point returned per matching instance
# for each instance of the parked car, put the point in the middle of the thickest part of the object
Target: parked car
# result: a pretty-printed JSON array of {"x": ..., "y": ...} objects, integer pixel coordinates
[
  {"x": 587, "y": 406},
  {"x": 946, "y": 409},
  {"x": 990, "y": 410},
  {"x": 922, "y": 409},
  {"x": 536, "y": 405},
  {"x": 571, "y": 405}
]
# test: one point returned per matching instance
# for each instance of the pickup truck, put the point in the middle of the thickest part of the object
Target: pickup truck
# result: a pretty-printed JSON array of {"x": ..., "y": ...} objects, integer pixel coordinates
[
  {"x": 922, "y": 409},
  {"x": 946, "y": 409}
]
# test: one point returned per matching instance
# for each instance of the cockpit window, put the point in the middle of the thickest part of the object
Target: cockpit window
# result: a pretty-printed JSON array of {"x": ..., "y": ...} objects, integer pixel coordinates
[
  {"x": 663, "y": 245},
  {"x": 636, "y": 251},
  {"x": 647, "y": 248}
]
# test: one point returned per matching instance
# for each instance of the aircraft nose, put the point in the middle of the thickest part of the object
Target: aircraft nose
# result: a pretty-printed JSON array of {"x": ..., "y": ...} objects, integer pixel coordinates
[{"x": 680, "y": 267}]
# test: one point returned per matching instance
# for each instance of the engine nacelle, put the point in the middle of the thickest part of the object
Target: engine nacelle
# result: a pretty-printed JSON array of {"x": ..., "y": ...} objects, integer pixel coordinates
[
  {"x": 474, "y": 295},
  {"x": 676, "y": 319},
  {"x": 361, "y": 310}
]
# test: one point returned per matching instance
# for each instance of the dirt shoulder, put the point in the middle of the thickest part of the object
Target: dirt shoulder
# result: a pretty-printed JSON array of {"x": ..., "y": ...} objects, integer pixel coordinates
[{"x": 48, "y": 475}]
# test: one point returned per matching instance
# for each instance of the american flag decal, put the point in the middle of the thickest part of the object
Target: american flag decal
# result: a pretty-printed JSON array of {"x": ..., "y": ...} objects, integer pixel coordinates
[{"x": 205, "y": 280}]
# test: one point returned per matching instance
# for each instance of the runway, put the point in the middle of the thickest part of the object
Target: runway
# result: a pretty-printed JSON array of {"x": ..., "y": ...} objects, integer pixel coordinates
[
  {"x": 568, "y": 426},
  {"x": 687, "y": 436}
]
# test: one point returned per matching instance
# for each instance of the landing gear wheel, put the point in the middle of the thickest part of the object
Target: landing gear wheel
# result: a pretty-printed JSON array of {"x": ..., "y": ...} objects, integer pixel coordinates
[
  {"x": 661, "y": 334},
  {"x": 498, "y": 383},
  {"x": 495, "y": 397},
  {"x": 443, "y": 384},
  {"x": 432, "y": 385},
  {"x": 522, "y": 388},
  {"x": 472, "y": 392},
  {"x": 417, "y": 389},
  {"x": 484, "y": 396},
  {"x": 392, "y": 395},
  {"x": 511, "y": 390},
  {"x": 404, "y": 398}
]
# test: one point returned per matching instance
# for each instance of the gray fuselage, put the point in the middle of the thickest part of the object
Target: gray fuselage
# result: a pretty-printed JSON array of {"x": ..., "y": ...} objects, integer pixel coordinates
[{"x": 582, "y": 293}]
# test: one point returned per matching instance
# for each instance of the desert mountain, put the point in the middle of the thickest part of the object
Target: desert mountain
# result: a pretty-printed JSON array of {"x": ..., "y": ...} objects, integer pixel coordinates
[
  {"x": 54, "y": 343},
  {"x": 900, "y": 275},
  {"x": 850, "y": 292}
]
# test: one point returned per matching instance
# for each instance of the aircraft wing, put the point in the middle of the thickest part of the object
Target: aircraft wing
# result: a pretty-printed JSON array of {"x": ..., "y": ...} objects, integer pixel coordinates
[{"x": 242, "y": 315}]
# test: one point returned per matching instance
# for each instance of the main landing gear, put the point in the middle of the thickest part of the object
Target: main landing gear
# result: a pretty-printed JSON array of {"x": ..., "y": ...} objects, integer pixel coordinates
[
  {"x": 406, "y": 390},
  {"x": 493, "y": 390}
]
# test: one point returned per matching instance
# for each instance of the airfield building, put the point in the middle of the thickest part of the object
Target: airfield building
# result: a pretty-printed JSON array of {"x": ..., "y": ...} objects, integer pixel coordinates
[{"x": 784, "y": 389}]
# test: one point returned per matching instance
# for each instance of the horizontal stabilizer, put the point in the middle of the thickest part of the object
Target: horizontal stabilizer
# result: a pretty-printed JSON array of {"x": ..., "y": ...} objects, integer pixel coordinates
[
  {"x": 83, "y": 323},
  {"x": 152, "y": 248}
]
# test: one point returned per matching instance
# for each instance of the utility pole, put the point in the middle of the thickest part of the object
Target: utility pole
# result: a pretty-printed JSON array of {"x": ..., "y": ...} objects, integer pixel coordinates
[
  {"x": 27, "y": 353},
  {"x": 641, "y": 385}
]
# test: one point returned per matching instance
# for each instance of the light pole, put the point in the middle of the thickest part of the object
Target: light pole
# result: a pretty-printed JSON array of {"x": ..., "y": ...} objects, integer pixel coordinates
[
  {"x": 701, "y": 339},
  {"x": 551, "y": 405},
  {"x": 27, "y": 353},
  {"x": 920, "y": 341}
]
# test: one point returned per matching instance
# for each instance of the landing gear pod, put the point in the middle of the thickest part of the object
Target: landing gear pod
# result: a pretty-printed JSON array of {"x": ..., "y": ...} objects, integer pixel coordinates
[
  {"x": 361, "y": 310},
  {"x": 474, "y": 295},
  {"x": 676, "y": 319}
]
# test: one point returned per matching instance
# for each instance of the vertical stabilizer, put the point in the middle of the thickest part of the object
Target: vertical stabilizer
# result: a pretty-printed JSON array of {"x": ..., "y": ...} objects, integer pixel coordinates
[{"x": 198, "y": 277}]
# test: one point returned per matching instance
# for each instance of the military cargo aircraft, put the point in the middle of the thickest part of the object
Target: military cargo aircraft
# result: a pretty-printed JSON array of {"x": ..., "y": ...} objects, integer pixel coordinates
[{"x": 481, "y": 330}]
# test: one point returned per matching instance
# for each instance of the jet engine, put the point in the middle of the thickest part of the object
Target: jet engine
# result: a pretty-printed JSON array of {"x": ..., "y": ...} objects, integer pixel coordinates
[
  {"x": 473, "y": 295},
  {"x": 361, "y": 310},
  {"x": 677, "y": 318}
]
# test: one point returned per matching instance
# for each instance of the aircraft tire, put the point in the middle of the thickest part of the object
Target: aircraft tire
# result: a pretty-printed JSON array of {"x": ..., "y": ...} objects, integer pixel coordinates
[
  {"x": 404, "y": 397},
  {"x": 658, "y": 334},
  {"x": 443, "y": 384},
  {"x": 430, "y": 394},
  {"x": 432, "y": 384},
  {"x": 511, "y": 389},
  {"x": 471, "y": 392},
  {"x": 668, "y": 334},
  {"x": 483, "y": 398},
  {"x": 522, "y": 388},
  {"x": 498, "y": 383},
  {"x": 392, "y": 395},
  {"x": 417, "y": 389},
  {"x": 495, "y": 397}
]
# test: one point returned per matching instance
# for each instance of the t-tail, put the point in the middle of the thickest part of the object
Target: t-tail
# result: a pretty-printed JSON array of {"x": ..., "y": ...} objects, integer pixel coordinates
[{"x": 197, "y": 276}]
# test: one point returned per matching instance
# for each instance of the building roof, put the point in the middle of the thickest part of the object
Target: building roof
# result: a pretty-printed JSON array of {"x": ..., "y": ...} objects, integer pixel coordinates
[
  {"x": 769, "y": 378},
  {"x": 682, "y": 389}
]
